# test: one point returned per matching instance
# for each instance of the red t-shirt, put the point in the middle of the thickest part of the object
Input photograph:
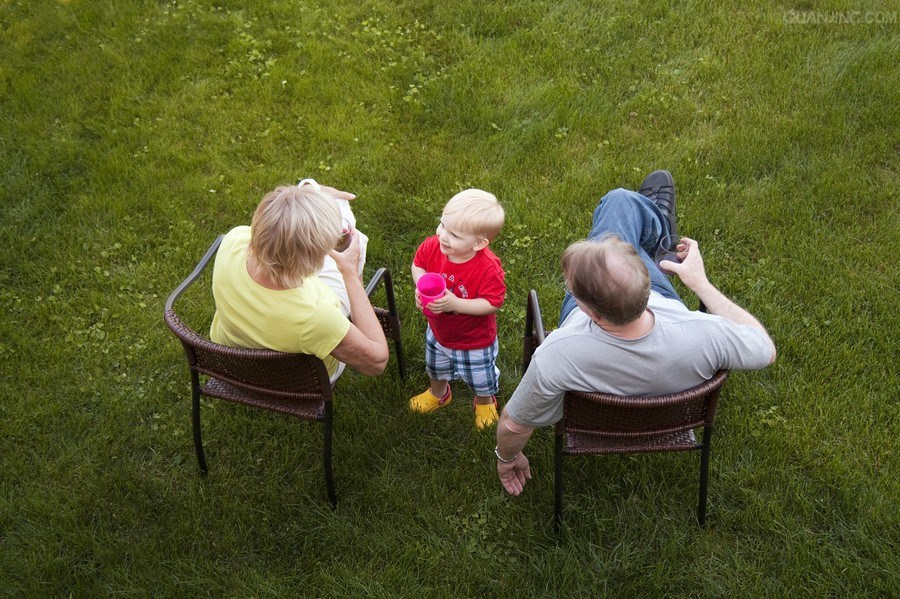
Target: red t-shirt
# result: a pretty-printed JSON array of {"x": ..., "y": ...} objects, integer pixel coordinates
[{"x": 479, "y": 277}]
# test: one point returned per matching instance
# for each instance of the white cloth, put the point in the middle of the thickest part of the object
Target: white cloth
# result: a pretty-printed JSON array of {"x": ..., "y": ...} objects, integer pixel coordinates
[{"x": 330, "y": 274}]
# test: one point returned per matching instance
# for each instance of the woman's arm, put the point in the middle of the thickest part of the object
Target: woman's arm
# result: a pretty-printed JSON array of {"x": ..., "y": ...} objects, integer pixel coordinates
[
  {"x": 361, "y": 352},
  {"x": 364, "y": 347}
]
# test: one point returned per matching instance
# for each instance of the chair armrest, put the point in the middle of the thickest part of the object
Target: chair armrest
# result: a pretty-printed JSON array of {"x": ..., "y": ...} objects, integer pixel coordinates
[
  {"x": 198, "y": 270},
  {"x": 534, "y": 328},
  {"x": 389, "y": 319},
  {"x": 383, "y": 276},
  {"x": 533, "y": 319}
]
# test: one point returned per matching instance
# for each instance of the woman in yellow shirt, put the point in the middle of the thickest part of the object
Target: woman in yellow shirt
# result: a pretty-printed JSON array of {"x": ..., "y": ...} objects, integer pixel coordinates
[{"x": 273, "y": 288}]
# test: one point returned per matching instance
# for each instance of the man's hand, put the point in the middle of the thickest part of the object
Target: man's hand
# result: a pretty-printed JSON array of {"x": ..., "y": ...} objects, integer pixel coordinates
[
  {"x": 692, "y": 273},
  {"x": 691, "y": 270},
  {"x": 511, "y": 438},
  {"x": 514, "y": 474}
]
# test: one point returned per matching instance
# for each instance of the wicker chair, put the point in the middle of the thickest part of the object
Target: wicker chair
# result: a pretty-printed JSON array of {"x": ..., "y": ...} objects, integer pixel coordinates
[
  {"x": 294, "y": 384},
  {"x": 599, "y": 423}
]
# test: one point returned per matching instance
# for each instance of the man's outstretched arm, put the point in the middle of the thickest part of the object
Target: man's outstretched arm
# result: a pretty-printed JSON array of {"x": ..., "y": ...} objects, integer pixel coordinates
[
  {"x": 693, "y": 274},
  {"x": 512, "y": 465}
]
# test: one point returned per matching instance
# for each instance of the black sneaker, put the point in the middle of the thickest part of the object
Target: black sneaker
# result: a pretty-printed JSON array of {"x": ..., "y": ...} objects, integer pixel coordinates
[{"x": 660, "y": 187}]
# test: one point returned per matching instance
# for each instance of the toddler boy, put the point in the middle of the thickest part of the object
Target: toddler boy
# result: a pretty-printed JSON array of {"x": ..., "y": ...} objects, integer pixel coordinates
[{"x": 461, "y": 338}]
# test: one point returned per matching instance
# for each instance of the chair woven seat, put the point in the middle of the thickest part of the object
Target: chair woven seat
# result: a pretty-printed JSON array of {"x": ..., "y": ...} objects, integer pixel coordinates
[
  {"x": 390, "y": 323},
  {"x": 308, "y": 407},
  {"x": 584, "y": 443},
  {"x": 292, "y": 384}
]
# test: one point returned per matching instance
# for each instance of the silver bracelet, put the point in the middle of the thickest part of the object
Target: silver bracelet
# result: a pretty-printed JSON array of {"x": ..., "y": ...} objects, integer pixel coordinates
[{"x": 499, "y": 457}]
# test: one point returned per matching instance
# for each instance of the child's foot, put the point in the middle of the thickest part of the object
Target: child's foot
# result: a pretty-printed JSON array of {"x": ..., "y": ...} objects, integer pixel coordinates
[
  {"x": 428, "y": 402},
  {"x": 486, "y": 414}
]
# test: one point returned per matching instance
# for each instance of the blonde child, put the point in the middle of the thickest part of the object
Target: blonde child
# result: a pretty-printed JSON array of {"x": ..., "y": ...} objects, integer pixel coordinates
[{"x": 461, "y": 337}]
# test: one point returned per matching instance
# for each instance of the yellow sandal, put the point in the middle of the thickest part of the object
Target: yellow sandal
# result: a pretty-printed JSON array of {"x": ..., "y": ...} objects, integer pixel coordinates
[
  {"x": 485, "y": 414},
  {"x": 428, "y": 402}
]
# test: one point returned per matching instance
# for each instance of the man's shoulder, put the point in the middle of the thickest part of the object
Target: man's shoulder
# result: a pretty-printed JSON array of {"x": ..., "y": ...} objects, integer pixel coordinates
[
  {"x": 657, "y": 300},
  {"x": 674, "y": 321},
  {"x": 569, "y": 336},
  {"x": 670, "y": 311}
]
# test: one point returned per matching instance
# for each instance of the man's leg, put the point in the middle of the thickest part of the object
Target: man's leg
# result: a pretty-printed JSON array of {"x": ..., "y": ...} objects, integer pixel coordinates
[
  {"x": 636, "y": 219},
  {"x": 660, "y": 188}
]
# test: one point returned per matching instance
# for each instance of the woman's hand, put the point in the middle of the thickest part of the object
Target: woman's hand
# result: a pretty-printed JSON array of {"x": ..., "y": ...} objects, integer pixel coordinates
[
  {"x": 348, "y": 260},
  {"x": 337, "y": 193}
]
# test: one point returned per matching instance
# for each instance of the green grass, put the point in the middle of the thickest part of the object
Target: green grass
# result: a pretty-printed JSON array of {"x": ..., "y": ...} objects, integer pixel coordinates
[{"x": 135, "y": 132}]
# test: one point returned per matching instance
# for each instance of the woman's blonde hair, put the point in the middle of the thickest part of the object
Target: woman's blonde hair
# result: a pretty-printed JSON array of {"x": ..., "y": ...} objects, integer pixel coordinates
[
  {"x": 478, "y": 212},
  {"x": 608, "y": 278},
  {"x": 292, "y": 231}
]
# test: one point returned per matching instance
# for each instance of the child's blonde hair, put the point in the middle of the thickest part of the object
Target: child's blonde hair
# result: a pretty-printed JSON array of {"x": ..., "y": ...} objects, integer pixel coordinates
[
  {"x": 477, "y": 212},
  {"x": 292, "y": 231}
]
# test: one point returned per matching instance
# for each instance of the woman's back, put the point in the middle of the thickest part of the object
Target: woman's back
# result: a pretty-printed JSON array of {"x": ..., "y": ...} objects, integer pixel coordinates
[{"x": 305, "y": 319}]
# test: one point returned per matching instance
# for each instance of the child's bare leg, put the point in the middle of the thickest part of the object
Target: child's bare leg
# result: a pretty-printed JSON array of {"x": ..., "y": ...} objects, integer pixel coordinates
[
  {"x": 436, "y": 396},
  {"x": 439, "y": 388},
  {"x": 482, "y": 400}
]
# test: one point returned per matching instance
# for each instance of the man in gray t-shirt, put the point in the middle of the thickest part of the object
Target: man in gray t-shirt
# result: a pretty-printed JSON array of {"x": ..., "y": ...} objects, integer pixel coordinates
[{"x": 623, "y": 328}]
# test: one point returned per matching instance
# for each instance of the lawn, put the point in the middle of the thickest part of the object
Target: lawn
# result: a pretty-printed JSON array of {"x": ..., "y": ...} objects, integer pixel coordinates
[{"x": 133, "y": 133}]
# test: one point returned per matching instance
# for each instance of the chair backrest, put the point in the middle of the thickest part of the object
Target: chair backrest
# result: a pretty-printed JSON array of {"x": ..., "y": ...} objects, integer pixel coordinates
[
  {"x": 627, "y": 424},
  {"x": 262, "y": 372},
  {"x": 534, "y": 329}
]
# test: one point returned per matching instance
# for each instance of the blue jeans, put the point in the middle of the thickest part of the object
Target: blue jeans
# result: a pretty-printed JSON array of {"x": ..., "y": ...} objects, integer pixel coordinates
[{"x": 636, "y": 219}]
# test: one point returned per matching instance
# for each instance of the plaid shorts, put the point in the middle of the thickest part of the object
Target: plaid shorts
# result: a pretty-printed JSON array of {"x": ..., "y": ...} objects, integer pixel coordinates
[{"x": 477, "y": 367}]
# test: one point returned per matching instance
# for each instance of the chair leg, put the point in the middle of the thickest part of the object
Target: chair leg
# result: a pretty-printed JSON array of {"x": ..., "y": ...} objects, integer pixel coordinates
[
  {"x": 704, "y": 474},
  {"x": 558, "y": 483},
  {"x": 195, "y": 417},
  {"x": 383, "y": 274},
  {"x": 401, "y": 360},
  {"x": 329, "y": 472}
]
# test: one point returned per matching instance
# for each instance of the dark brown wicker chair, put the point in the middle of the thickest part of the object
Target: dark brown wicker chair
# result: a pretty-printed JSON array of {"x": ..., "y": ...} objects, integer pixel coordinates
[
  {"x": 293, "y": 384},
  {"x": 599, "y": 423}
]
